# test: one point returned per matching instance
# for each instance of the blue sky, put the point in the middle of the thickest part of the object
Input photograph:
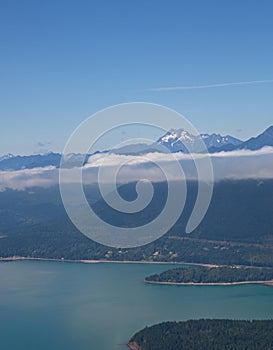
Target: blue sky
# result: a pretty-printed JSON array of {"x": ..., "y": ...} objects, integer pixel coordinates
[{"x": 61, "y": 61}]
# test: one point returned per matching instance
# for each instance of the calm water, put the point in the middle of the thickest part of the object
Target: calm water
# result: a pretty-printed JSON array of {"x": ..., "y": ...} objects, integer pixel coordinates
[{"x": 65, "y": 306}]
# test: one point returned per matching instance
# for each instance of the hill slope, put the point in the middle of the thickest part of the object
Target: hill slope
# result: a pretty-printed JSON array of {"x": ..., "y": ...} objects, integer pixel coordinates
[{"x": 206, "y": 335}]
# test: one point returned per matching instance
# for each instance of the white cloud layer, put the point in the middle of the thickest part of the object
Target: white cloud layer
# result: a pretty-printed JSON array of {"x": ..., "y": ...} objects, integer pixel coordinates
[{"x": 242, "y": 164}]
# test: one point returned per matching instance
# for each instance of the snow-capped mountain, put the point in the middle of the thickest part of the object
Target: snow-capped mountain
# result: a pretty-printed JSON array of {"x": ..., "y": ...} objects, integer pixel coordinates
[
  {"x": 182, "y": 141},
  {"x": 30, "y": 162},
  {"x": 217, "y": 140},
  {"x": 265, "y": 139},
  {"x": 174, "y": 141},
  {"x": 11, "y": 162},
  {"x": 177, "y": 140},
  {"x": 6, "y": 156}
]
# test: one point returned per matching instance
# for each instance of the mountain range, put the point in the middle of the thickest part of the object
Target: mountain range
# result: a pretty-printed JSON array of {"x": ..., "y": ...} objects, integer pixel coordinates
[
  {"x": 182, "y": 141},
  {"x": 178, "y": 140}
]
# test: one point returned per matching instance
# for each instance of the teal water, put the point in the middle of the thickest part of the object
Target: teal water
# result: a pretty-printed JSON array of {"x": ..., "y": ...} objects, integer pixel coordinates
[{"x": 65, "y": 306}]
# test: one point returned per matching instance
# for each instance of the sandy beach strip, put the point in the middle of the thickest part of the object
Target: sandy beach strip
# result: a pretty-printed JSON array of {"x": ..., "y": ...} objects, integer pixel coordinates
[
  {"x": 84, "y": 261},
  {"x": 269, "y": 283},
  {"x": 133, "y": 346}
]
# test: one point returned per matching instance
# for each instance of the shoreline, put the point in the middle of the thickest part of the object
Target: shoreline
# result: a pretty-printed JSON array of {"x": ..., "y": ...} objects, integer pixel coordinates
[
  {"x": 103, "y": 261},
  {"x": 149, "y": 262},
  {"x": 267, "y": 283},
  {"x": 133, "y": 346}
]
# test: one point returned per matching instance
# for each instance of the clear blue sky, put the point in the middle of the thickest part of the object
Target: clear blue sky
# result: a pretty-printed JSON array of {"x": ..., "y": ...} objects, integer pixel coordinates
[{"x": 61, "y": 61}]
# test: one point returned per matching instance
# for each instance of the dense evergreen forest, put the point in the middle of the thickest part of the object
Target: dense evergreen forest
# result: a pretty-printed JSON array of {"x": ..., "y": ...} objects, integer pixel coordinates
[
  {"x": 61, "y": 240},
  {"x": 206, "y": 335},
  {"x": 236, "y": 230},
  {"x": 212, "y": 275}
]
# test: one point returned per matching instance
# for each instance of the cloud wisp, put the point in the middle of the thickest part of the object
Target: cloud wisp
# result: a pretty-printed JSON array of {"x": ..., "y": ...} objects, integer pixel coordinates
[{"x": 209, "y": 86}]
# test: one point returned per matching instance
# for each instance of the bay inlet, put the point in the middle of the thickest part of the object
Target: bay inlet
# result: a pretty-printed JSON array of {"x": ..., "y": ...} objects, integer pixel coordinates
[{"x": 64, "y": 306}]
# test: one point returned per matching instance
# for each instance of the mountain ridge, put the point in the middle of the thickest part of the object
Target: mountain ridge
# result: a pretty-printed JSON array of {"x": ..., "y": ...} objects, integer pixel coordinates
[{"x": 175, "y": 140}]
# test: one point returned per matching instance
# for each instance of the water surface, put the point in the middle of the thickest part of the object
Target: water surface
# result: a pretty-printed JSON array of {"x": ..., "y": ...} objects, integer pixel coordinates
[{"x": 65, "y": 306}]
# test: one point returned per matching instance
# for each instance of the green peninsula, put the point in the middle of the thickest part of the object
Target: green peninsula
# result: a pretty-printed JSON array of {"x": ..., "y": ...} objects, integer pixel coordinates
[
  {"x": 213, "y": 275},
  {"x": 205, "y": 335}
]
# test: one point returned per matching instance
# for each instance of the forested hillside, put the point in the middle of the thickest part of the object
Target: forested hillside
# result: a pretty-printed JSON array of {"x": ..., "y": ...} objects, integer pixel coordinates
[
  {"x": 236, "y": 230},
  {"x": 212, "y": 275},
  {"x": 206, "y": 335}
]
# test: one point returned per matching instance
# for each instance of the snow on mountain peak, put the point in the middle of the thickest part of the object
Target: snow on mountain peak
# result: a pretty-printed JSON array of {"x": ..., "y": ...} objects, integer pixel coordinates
[
  {"x": 179, "y": 134},
  {"x": 182, "y": 140},
  {"x": 6, "y": 156}
]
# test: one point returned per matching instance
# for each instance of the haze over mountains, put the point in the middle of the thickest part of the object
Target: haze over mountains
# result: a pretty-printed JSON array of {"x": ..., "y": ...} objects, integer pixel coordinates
[{"x": 173, "y": 141}]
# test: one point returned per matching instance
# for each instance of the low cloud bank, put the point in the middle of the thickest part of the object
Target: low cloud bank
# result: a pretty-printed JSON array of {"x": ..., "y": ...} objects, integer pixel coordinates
[{"x": 242, "y": 164}]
